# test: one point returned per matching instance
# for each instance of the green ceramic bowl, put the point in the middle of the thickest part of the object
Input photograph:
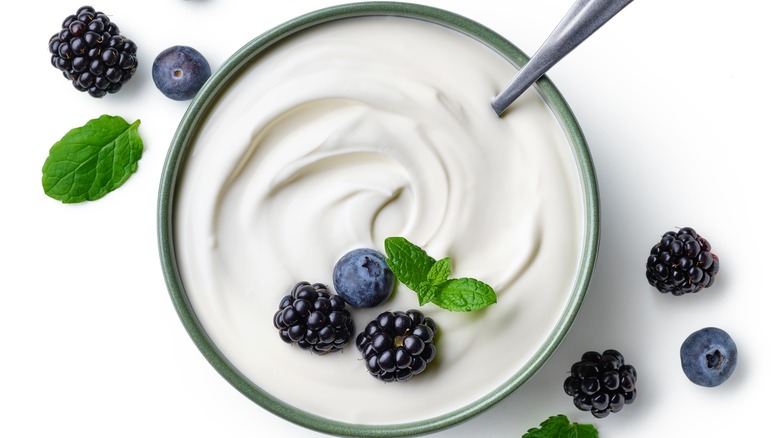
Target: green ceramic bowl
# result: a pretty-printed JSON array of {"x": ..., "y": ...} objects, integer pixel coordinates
[{"x": 200, "y": 108}]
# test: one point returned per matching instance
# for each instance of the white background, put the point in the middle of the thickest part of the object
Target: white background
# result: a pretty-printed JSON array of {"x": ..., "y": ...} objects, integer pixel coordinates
[{"x": 677, "y": 100}]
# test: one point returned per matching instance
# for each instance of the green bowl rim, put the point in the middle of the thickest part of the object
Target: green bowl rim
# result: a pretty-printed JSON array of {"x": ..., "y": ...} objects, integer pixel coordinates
[{"x": 199, "y": 108}]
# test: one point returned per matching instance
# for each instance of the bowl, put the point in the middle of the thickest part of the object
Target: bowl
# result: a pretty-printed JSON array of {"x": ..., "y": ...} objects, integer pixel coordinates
[{"x": 343, "y": 127}]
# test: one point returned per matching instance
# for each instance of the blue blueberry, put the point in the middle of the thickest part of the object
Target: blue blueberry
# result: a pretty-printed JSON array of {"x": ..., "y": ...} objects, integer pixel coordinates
[
  {"x": 708, "y": 356},
  {"x": 179, "y": 72},
  {"x": 363, "y": 279}
]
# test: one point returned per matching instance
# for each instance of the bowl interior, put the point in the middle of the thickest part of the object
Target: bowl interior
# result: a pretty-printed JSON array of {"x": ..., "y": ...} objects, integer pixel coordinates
[{"x": 204, "y": 105}]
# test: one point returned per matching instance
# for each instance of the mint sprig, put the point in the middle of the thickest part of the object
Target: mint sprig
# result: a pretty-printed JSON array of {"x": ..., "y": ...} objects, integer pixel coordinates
[
  {"x": 92, "y": 160},
  {"x": 558, "y": 426},
  {"x": 429, "y": 277}
]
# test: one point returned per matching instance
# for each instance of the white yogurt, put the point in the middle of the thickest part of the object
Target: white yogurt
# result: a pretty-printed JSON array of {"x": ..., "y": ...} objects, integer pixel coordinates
[{"x": 359, "y": 130}]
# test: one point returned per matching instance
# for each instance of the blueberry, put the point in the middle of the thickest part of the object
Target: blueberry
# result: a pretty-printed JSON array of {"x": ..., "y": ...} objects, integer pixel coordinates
[
  {"x": 708, "y": 356},
  {"x": 362, "y": 278},
  {"x": 179, "y": 72}
]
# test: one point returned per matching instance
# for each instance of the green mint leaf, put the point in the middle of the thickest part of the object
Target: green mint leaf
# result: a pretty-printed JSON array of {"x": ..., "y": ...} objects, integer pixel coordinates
[
  {"x": 440, "y": 271},
  {"x": 464, "y": 295},
  {"x": 426, "y": 292},
  {"x": 559, "y": 426},
  {"x": 428, "y": 277},
  {"x": 577, "y": 430},
  {"x": 552, "y": 427},
  {"x": 92, "y": 160},
  {"x": 409, "y": 262}
]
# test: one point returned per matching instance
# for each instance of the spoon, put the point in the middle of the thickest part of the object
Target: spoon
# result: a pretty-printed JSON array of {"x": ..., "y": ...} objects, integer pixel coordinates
[{"x": 582, "y": 20}]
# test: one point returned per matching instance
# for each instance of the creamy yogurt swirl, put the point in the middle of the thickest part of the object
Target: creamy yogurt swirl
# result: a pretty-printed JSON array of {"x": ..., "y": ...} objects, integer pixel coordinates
[{"x": 352, "y": 132}]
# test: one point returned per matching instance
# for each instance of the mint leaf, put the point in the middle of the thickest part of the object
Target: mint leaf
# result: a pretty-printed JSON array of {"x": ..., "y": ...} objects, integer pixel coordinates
[
  {"x": 552, "y": 427},
  {"x": 428, "y": 277},
  {"x": 440, "y": 271},
  {"x": 437, "y": 275},
  {"x": 409, "y": 262},
  {"x": 426, "y": 292},
  {"x": 558, "y": 426},
  {"x": 577, "y": 430},
  {"x": 92, "y": 160},
  {"x": 464, "y": 295}
]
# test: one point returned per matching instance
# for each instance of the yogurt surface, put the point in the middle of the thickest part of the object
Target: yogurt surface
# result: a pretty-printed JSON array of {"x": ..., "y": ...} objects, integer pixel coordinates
[{"x": 346, "y": 134}]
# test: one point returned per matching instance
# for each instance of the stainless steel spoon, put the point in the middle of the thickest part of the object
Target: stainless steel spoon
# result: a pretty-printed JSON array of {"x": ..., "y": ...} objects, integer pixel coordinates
[{"x": 582, "y": 20}]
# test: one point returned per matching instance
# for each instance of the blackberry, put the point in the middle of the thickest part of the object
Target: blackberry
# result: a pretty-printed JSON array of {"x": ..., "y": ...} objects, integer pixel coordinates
[
  {"x": 92, "y": 54},
  {"x": 601, "y": 383},
  {"x": 397, "y": 345},
  {"x": 310, "y": 317},
  {"x": 681, "y": 263}
]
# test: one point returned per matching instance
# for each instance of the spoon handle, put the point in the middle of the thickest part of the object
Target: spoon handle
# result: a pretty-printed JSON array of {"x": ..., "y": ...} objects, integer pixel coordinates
[{"x": 582, "y": 20}]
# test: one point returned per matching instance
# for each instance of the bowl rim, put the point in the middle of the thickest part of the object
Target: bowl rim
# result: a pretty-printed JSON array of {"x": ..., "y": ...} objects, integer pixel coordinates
[{"x": 199, "y": 108}]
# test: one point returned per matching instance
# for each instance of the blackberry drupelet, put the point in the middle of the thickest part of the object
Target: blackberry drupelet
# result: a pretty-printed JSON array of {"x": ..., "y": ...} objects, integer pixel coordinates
[
  {"x": 92, "y": 54},
  {"x": 601, "y": 383},
  {"x": 398, "y": 345},
  {"x": 313, "y": 319},
  {"x": 681, "y": 263}
]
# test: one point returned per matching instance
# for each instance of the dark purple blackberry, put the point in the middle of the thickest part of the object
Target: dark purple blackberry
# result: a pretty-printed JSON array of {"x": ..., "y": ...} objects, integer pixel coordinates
[
  {"x": 601, "y": 383},
  {"x": 313, "y": 319},
  {"x": 681, "y": 263},
  {"x": 92, "y": 54},
  {"x": 397, "y": 345}
]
